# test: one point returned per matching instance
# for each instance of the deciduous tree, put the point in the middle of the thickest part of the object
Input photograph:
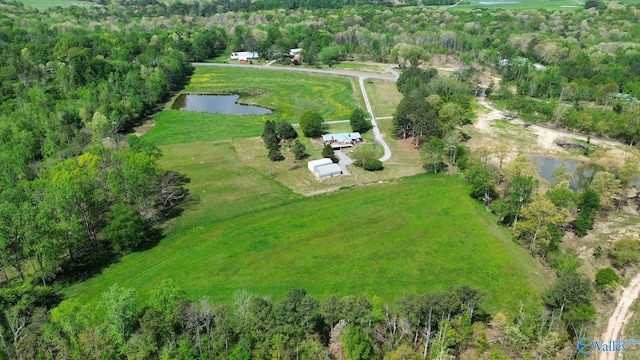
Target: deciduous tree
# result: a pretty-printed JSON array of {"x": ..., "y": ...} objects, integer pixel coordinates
[{"x": 311, "y": 124}]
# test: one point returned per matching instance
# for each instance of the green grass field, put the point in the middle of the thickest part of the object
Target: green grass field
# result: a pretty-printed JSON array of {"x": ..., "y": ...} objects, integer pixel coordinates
[
  {"x": 288, "y": 93},
  {"x": 413, "y": 235},
  {"x": 242, "y": 229}
]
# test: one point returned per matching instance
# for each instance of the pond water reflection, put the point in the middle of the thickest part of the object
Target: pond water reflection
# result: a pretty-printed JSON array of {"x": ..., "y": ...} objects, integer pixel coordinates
[
  {"x": 547, "y": 164},
  {"x": 217, "y": 104}
]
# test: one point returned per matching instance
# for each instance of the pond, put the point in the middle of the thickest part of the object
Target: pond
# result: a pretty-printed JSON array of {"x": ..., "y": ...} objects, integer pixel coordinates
[
  {"x": 217, "y": 104},
  {"x": 581, "y": 171},
  {"x": 547, "y": 164}
]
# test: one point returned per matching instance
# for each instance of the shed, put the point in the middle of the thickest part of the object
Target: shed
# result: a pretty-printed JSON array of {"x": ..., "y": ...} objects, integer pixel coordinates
[
  {"x": 327, "y": 171},
  {"x": 313, "y": 164}
]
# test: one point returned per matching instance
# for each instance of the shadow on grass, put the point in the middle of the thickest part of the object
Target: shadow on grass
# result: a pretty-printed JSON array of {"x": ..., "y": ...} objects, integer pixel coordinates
[{"x": 86, "y": 264}]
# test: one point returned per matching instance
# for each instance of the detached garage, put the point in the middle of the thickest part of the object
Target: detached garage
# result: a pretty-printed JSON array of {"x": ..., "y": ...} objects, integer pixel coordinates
[
  {"x": 313, "y": 164},
  {"x": 327, "y": 171},
  {"x": 324, "y": 168}
]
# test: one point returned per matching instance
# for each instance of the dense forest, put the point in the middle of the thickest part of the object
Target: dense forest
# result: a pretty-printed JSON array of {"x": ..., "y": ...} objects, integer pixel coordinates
[{"x": 76, "y": 193}]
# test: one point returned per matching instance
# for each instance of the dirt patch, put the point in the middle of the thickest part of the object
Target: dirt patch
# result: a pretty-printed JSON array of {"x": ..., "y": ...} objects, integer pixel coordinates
[
  {"x": 407, "y": 145},
  {"x": 144, "y": 127}
]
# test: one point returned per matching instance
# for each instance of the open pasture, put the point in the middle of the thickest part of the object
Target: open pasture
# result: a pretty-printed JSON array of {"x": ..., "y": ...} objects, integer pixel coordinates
[
  {"x": 412, "y": 235},
  {"x": 288, "y": 93},
  {"x": 242, "y": 229}
]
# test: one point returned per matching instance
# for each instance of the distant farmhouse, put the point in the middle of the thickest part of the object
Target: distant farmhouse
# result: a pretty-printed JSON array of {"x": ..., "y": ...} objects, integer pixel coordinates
[
  {"x": 296, "y": 56},
  {"x": 243, "y": 56},
  {"x": 342, "y": 140},
  {"x": 324, "y": 168}
]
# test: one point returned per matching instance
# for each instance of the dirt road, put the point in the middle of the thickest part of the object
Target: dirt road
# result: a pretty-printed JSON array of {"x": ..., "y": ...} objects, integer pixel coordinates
[
  {"x": 546, "y": 140},
  {"x": 546, "y": 137},
  {"x": 620, "y": 316}
]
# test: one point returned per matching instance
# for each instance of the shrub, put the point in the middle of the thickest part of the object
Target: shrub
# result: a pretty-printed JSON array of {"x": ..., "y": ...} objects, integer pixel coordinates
[
  {"x": 363, "y": 153},
  {"x": 286, "y": 131},
  {"x": 373, "y": 165},
  {"x": 625, "y": 252},
  {"x": 584, "y": 222},
  {"x": 606, "y": 279},
  {"x": 126, "y": 229},
  {"x": 299, "y": 150}
]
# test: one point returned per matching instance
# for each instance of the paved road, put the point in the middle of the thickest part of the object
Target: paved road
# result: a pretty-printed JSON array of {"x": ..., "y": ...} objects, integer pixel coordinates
[{"x": 361, "y": 78}]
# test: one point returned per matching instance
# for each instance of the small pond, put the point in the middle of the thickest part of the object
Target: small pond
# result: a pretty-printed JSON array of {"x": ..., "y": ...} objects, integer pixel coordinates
[
  {"x": 217, "y": 104},
  {"x": 547, "y": 164},
  {"x": 579, "y": 169}
]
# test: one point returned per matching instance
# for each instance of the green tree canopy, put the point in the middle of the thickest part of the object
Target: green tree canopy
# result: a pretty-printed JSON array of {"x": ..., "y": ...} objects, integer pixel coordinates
[
  {"x": 311, "y": 124},
  {"x": 358, "y": 121}
]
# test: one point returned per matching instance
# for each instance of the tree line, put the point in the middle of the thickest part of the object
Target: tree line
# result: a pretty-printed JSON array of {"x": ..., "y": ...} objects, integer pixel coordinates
[
  {"x": 538, "y": 216},
  {"x": 163, "y": 324},
  {"x": 74, "y": 192}
]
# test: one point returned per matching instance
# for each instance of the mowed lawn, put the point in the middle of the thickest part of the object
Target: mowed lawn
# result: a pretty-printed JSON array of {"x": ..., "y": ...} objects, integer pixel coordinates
[
  {"x": 289, "y": 94},
  {"x": 412, "y": 235}
]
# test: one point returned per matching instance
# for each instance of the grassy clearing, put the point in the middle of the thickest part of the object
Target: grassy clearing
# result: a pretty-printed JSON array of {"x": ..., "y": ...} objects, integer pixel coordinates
[
  {"x": 45, "y": 4},
  {"x": 179, "y": 127},
  {"x": 404, "y": 162},
  {"x": 289, "y": 94},
  {"x": 383, "y": 95},
  {"x": 411, "y": 235}
]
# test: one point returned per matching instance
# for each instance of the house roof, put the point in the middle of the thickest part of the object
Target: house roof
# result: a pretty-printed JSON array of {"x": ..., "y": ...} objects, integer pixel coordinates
[{"x": 342, "y": 137}]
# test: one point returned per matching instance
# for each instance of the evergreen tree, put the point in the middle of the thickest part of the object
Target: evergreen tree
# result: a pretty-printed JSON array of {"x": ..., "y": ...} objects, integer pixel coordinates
[
  {"x": 285, "y": 131},
  {"x": 328, "y": 152},
  {"x": 269, "y": 135},
  {"x": 299, "y": 150}
]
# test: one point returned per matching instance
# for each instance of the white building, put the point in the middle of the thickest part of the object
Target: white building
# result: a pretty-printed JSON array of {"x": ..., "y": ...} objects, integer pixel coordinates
[
  {"x": 342, "y": 140},
  {"x": 244, "y": 55},
  {"x": 324, "y": 168}
]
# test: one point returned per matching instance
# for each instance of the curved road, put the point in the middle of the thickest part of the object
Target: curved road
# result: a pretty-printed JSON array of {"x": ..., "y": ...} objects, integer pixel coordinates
[{"x": 361, "y": 77}]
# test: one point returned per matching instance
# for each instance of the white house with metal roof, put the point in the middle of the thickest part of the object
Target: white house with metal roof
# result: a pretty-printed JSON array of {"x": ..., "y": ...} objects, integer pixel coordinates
[{"x": 342, "y": 140}]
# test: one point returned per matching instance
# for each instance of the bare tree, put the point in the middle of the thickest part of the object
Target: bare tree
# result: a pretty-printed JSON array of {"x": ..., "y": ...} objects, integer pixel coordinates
[
  {"x": 16, "y": 322},
  {"x": 171, "y": 189}
]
